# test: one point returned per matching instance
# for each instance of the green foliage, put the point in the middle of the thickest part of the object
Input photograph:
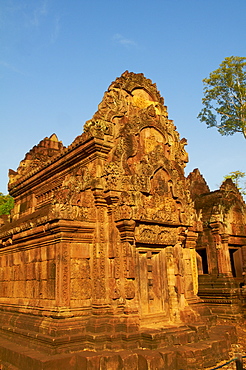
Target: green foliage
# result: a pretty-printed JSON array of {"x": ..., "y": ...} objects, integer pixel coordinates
[
  {"x": 6, "y": 204},
  {"x": 225, "y": 97},
  {"x": 236, "y": 177}
]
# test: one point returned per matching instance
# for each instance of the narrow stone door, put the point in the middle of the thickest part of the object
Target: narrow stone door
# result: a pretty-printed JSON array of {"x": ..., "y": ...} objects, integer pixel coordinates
[
  {"x": 152, "y": 282},
  {"x": 237, "y": 259}
]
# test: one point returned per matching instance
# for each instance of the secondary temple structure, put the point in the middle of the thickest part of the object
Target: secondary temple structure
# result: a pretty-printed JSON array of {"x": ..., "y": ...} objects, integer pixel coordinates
[
  {"x": 221, "y": 246},
  {"x": 98, "y": 259}
]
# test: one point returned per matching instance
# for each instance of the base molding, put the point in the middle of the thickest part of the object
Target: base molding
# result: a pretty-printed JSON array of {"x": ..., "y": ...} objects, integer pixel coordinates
[{"x": 188, "y": 356}]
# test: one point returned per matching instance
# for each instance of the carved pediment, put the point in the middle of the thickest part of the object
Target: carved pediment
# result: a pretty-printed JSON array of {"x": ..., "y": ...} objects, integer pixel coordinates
[{"x": 133, "y": 113}]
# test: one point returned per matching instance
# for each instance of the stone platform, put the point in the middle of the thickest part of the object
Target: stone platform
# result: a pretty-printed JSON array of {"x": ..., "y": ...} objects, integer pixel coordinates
[{"x": 171, "y": 348}]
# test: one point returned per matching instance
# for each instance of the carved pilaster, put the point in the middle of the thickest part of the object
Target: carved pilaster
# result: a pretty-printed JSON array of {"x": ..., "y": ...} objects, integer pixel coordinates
[
  {"x": 191, "y": 238},
  {"x": 221, "y": 245},
  {"x": 63, "y": 275},
  {"x": 100, "y": 248},
  {"x": 126, "y": 229},
  {"x": 174, "y": 311}
]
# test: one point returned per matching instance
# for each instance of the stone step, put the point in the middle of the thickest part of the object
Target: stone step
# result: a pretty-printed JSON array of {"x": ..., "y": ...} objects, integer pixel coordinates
[{"x": 192, "y": 356}]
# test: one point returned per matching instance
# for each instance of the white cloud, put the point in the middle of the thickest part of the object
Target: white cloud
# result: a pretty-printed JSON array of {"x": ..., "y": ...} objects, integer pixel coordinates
[
  {"x": 123, "y": 41},
  {"x": 38, "y": 13},
  {"x": 10, "y": 67},
  {"x": 56, "y": 29}
]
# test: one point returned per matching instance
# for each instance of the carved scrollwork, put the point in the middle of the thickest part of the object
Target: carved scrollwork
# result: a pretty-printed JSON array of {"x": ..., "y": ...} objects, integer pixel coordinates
[
  {"x": 72, "y": 200},
  {"x": 98, "y": 128},
  {"x": 130, "y": 289},
  {"x": 123, "y": 212},
  {"x": 156, "y": 234}
]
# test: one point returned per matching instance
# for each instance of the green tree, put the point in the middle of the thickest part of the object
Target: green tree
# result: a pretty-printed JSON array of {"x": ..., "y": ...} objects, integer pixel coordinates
[
  {"x": 6, "y": 204},
  {"x": 225, "y": 97},
  {"x": 236, "y": 177}
]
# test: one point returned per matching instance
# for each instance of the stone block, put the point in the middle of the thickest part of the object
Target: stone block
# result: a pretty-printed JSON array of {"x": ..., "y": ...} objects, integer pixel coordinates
[
  {"x": 43, "y": 270},
  {"x": 16, "y": 272},
  {"x": 10, "y": 260},
  {"x": 51, "y": 273},
  {"x": 111, "y": 361},
  {"x": 89, "y": 360},
  {"x": 44, "y": 289},
  {"x": 2, "y": 289},
  {"x": 62, "y": 363},
  {"x": 27, "y": 256},
  {"x": 129, "y": 360},
  {"x": 169, "y": 359},
  {"x": 36, "y": 289},
  {"x": 80, "y": 268},
  {"x": 51, "y": 288},
  {"x": 80, "y": 251},
  {"x": 17, "y": 258},
  {"x": 7, "y": 273},
  {"x": 34, "y": 255},
  {"x": 4, "y": 260},
  {"x": 43, "y": 253},
  {"x": 30, "y": 289},
  {"x": 9, "y": 289},
  {"x": 16, "y": 288},
  {"x": 51, "y": 252},
  {"x": 37, "y": 268},
  {"x": 181, "y": 361},
  {"x": 22, "y": 272},
  {"x": 150, "y": 360},
  {"x": 81, "y": 288},
  {"x": 30, "y": 271},
  {"x": 21, "y": 286}
]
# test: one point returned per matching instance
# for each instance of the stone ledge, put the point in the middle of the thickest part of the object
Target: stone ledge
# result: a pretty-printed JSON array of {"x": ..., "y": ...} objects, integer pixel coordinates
[{"x": 191, "y": 356}]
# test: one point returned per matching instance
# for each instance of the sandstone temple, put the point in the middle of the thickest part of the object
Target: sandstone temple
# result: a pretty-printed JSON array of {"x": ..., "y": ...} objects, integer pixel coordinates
[{"x": 112, "y": 258}]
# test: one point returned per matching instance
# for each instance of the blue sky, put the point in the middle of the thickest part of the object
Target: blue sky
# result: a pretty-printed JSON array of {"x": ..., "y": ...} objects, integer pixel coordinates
[{"x": 57, "y": 57}]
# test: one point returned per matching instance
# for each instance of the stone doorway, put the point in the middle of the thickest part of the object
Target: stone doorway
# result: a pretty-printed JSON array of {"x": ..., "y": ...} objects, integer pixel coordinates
[
  {"x": 236, "y": 261},
  {"x": 202, "y": 261},
  {"x": 153, "y": 285}
]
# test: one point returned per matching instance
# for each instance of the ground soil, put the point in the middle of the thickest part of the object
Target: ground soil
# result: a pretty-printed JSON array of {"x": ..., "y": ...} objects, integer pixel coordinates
[{"x": 238, "y": 348}]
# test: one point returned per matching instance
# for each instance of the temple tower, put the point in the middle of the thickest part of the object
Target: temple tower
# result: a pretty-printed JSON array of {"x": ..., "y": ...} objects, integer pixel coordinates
[{"x": 99, "y": 252}]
